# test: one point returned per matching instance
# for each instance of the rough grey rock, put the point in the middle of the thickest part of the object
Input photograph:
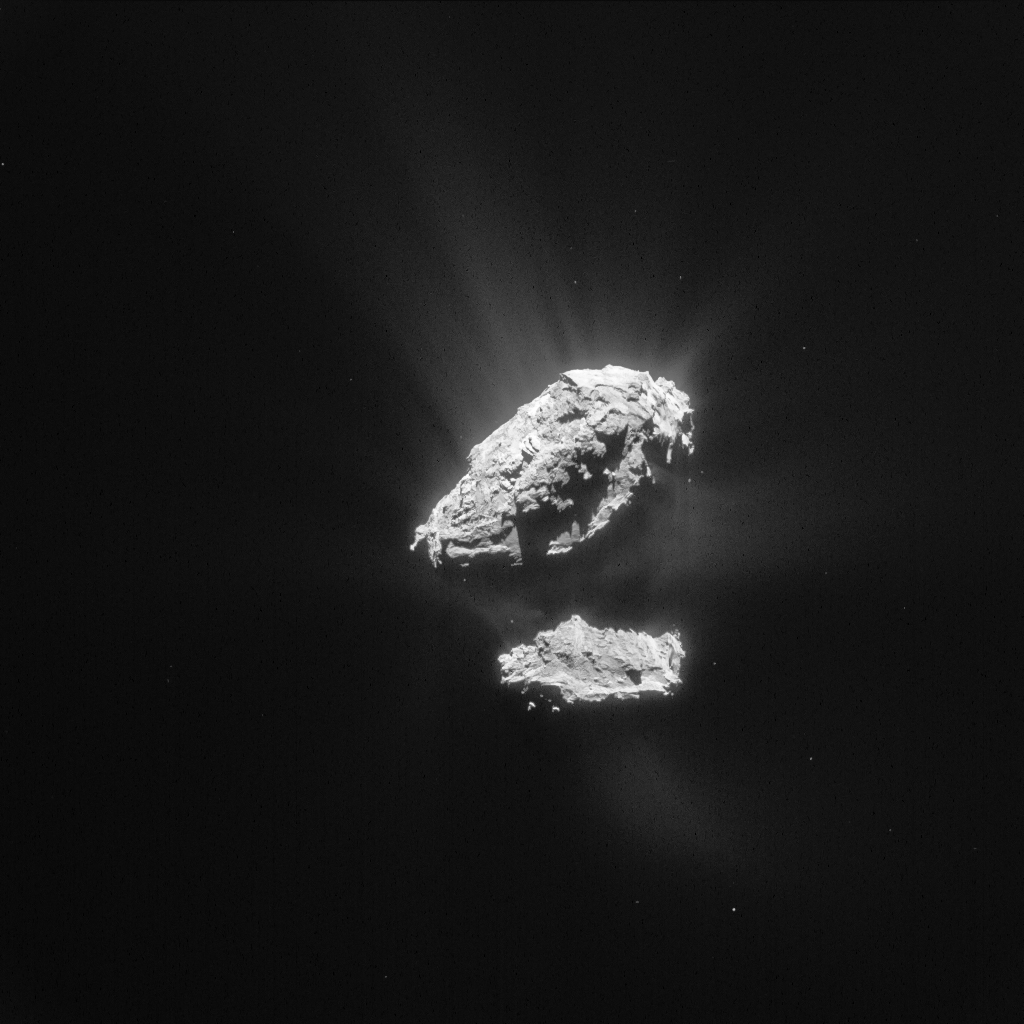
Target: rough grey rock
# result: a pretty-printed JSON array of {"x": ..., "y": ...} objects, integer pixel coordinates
[
  {"x": 575, "y": 662},
  {"x": 563, "y": 467}
]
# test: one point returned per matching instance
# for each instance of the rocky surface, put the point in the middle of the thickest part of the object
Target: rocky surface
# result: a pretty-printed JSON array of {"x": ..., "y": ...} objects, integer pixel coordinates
[
  {"x": 576, "y": 662},
  {"x": 560, "y": 470}
]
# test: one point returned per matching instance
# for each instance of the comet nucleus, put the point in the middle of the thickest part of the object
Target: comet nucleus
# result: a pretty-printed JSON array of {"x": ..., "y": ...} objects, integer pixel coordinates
[{"x": 560, "y": 470}]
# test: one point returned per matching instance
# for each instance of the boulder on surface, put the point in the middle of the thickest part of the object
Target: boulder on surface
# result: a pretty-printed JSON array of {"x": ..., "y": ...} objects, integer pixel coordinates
[
  {"x": 577, "y": 662},
  {"x": 560, "y": 470}
]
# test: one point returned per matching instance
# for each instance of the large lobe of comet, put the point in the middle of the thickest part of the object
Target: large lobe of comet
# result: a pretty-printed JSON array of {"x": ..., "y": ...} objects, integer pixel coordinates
[{"x": 560, "y": 470}]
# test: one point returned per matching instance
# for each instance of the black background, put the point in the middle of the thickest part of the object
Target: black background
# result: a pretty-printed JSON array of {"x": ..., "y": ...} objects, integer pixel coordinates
[{"x": 269, "y": 271}]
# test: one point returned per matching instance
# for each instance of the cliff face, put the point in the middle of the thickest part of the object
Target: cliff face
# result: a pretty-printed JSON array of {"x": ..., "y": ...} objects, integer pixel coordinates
[{"x": 560, "y": 470}]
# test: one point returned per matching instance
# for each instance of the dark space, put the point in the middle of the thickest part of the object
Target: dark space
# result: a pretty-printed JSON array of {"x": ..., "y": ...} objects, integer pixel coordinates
[{"x": 269, "y": 271}]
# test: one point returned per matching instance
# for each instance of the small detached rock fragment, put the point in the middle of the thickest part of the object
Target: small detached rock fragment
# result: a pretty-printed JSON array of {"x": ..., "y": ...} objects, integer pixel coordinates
[{"x": 575, "y": 662}]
